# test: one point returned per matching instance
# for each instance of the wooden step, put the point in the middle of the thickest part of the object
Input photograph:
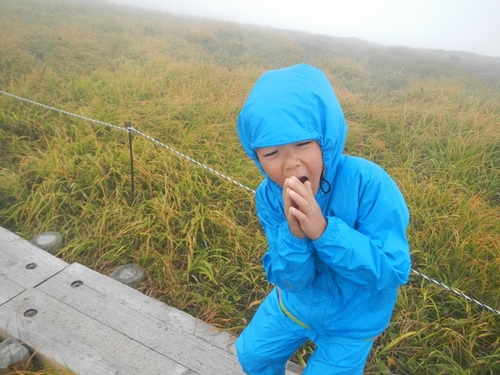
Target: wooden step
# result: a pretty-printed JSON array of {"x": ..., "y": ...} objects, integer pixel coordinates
[{"x": 89, "y": 323}]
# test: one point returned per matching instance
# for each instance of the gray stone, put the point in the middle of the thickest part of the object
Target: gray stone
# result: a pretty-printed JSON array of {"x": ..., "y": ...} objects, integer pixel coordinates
[
  {"x": 129, "y": 274},
  {"x": 49, "y": 241},
  {"x": 13, "y": 356}
]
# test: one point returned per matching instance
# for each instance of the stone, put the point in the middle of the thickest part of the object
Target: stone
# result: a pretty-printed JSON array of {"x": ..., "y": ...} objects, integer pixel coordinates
[
  {"x": 49, "y": 241},
  {"x": 14, "y": 356},
  {"x": 129, "y": 274}
]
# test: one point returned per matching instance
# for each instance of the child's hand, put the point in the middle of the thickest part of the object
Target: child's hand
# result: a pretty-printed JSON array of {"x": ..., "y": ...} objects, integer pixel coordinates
[
  {"x": 302, "y": 212},
  {"x": 293, "y": 222}
]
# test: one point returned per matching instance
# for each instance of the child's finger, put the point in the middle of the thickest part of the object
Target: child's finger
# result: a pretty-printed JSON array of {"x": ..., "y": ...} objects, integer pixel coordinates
[
  {"x": 294, "y": 223},
  {"x": 304, "y": 189},
  {"x": 301, "y": 202},
  {"x": 289, "y": 202}
]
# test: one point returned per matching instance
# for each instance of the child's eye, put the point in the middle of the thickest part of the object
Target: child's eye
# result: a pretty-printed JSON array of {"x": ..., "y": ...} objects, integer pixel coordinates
[
  {"x": 303, "y": 143},
  {"x": 266, "y": 155}
]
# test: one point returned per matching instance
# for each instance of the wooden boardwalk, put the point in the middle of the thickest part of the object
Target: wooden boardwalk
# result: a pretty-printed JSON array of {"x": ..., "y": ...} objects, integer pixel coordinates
[{"x": 91, "y": 324}]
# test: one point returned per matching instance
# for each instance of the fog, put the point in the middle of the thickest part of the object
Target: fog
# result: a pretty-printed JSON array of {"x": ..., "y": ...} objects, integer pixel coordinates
[{"x": 454, "y": 25}]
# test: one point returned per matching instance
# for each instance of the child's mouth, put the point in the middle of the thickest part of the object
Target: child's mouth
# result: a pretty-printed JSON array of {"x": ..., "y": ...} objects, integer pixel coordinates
[{"x": 303, "y": 179}]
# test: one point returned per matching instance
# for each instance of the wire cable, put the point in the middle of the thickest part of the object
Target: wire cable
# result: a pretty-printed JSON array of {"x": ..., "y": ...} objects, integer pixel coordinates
[{"x": 227, "y": 178}]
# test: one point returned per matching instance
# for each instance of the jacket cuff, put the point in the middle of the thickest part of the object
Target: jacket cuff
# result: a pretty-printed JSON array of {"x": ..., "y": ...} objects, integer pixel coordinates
[
  {"x": 331, "y": 233},
  {"x": 295, "y": 242}
]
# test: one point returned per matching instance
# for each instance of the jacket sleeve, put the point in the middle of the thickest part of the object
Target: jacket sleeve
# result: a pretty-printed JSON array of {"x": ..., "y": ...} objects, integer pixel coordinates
[
  {"x": 289, "y": 261},
  {"x": 372, "y": 252}
]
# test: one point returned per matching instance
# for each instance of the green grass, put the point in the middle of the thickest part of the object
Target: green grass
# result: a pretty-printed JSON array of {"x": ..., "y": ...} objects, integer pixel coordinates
[{"x": 433, "y": 123}]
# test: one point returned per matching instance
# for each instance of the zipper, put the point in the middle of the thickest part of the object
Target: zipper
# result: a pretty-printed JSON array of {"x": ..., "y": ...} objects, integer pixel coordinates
[{"x": 288, "y": 313}]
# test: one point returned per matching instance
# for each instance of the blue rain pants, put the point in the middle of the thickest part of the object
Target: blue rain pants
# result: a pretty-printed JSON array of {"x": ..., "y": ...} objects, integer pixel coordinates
[{"x": 272, "y": 337}]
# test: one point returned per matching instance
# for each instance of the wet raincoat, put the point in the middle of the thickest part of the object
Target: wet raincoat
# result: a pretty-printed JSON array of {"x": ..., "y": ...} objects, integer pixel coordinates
[{"x": 344, "y": 283}]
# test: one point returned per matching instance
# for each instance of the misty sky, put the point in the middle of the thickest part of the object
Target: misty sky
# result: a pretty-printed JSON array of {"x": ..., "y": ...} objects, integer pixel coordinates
[{"x": 461, "y": 25}]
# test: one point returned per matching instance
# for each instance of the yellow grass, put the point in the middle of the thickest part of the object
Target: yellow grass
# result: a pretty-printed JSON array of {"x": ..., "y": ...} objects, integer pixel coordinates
[{"x": 432, "y": 123}]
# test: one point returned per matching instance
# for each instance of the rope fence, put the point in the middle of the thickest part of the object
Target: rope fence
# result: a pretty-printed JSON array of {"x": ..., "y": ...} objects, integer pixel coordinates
[{"x": 131, "y": 129}]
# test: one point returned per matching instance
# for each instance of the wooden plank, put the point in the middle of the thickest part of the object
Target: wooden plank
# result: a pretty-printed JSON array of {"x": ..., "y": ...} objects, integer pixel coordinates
[
  {"x": 24, "y": 263},
  {"x": 16, "y": 253},
  {"x": 6, "y": 235},
  {"x": 115, "y": 305},
  {"x": 67, "y": 337},
  {"x": 146, "y": 305},
  {"x": 8, "y": 289}
]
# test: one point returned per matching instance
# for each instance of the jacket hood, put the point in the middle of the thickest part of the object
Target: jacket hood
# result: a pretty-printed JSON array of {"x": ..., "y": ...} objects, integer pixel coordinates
[{"x": 291, "y": 105}]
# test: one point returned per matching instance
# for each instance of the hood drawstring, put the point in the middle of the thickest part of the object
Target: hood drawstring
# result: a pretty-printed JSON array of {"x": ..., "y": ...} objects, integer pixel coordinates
[{"x": 323, "y": 180}]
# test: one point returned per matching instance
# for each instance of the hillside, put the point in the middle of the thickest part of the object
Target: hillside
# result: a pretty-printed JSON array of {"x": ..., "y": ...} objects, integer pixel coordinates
[{"x": 430, "y": 118}]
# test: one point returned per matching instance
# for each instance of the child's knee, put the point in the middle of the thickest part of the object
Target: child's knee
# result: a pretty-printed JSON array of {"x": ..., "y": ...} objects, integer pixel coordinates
[
  {"x": 241, "y": 352},
  {"x": 339, "y": 356},
  {"x": 248, "y": 360},
  {"x": 253, "y": 363}
]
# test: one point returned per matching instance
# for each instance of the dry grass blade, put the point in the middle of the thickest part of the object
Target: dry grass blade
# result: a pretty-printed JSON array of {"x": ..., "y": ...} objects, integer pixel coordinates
[{"x": 434, "y": 125}]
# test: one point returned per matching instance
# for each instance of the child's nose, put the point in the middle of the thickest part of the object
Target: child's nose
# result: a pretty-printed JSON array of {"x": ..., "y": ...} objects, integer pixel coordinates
[{"x": 291, "y": 161}]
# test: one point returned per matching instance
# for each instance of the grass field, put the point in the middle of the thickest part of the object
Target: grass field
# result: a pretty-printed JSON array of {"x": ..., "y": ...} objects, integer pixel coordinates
[{"x": 430, "y": 118}]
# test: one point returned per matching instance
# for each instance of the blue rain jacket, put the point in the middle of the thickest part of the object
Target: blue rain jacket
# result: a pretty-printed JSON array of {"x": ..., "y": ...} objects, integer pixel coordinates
[{"x": 345, "y": 282}]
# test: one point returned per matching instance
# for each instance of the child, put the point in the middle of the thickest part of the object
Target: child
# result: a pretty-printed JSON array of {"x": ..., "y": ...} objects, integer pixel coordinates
[{"x": 335, "y": 225}]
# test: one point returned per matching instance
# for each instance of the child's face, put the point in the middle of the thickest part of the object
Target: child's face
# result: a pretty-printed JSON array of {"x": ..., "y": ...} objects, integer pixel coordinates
[{"x": 303, "y": 160}]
